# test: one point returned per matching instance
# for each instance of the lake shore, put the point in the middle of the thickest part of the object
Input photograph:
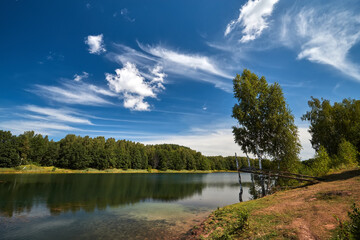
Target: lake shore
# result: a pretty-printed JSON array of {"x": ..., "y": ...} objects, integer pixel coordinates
[
  {"x": 34, "y": 169},
  {"x": 308, "y": 212}
]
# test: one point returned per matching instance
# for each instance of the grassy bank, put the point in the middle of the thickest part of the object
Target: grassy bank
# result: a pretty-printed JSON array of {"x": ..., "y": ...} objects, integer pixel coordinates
[
  {"x": 309, "y": 212},
  {"x": 34, "y": 169}
]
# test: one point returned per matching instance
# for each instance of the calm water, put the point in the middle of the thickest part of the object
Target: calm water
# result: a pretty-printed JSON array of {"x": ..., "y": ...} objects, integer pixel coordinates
[{"x": 112, "y": 206}]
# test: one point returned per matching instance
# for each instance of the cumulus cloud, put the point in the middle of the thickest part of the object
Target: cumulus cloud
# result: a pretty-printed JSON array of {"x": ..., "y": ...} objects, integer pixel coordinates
[
  {"x": 133, "y": 87},
  {"x": 96, "y": 44},
  {"x": 159, "y": 76},
  {"x": 79, "y": 77},
  {"x": 323, "y": 35},
  {"x": 174, "y": 63},
  {"x": 253, "y": 19}
]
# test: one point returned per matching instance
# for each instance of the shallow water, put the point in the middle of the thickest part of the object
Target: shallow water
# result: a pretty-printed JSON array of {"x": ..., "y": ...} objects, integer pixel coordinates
[{"x": 112, "y": 206}]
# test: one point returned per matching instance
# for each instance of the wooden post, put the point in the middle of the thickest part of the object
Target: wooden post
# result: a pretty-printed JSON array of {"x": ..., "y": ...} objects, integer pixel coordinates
[{"x": 241, "y": 189}]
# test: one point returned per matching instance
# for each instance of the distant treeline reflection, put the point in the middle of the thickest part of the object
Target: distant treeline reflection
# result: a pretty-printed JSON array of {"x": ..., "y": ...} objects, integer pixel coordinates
[{"x": 73, "y": 192}]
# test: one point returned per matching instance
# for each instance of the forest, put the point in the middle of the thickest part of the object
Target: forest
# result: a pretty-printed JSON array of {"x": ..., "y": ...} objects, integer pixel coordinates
[{"x": 76, "y": 152}]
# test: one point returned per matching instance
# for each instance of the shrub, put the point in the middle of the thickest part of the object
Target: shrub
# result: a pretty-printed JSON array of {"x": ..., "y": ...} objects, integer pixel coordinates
[
  {"x": 320, "y": 165},
  {"x": 347, "y": 153},
  {"x": 349, "y": 229}
]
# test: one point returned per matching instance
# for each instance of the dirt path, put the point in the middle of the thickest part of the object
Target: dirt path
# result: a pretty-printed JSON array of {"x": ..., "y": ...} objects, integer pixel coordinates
[{"x": 304, "y": 213}]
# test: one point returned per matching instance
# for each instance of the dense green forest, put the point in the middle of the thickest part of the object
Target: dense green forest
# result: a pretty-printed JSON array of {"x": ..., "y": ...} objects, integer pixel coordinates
[{"x": 76, "y": 152}]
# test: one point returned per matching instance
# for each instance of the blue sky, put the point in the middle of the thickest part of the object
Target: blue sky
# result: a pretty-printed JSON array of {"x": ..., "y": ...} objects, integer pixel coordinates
[{"x": 161, "y": 71}]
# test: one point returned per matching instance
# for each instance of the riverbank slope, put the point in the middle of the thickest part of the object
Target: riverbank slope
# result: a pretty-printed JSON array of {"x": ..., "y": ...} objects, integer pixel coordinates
[{"x": 309, "y": 212}]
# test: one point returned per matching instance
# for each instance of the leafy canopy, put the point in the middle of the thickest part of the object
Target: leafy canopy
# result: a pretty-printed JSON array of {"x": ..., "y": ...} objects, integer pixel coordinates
[{"x": 265, "y": 124}]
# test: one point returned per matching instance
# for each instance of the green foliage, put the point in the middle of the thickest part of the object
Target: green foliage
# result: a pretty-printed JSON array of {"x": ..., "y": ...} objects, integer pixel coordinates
[
  {"x": 332, "y": 124},
  {"x": 346, "y": 154},
  {"x": 9, "y": 155},
  {"x": 321, "y": 162},
  {"x": 76, "y": 152},
  {"x": 350, "y": 229},
  {"x": 355, "y": 222},
  {"x": 228, "y": 223},
  {"x": 266, "y": 125}
]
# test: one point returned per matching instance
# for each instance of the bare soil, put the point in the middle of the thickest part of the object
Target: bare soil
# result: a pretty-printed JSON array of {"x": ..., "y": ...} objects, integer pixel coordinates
[{"x": 309, "y": 212}]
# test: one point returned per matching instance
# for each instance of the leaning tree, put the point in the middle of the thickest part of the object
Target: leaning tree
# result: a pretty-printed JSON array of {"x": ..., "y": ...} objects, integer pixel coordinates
[{"x": 265, "y": 124}]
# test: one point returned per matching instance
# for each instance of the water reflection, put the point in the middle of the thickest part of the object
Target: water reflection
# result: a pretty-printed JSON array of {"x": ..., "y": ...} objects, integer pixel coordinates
[
  {"x": 261, "y": 185},
  {"x": 115, "y": 206},
  {"x": 18, "y": 193},
  {"x": 74, "y": 192}
]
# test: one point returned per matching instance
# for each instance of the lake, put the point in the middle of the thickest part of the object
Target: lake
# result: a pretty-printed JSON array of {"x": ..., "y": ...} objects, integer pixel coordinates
[{"x": 112, "y": 206}]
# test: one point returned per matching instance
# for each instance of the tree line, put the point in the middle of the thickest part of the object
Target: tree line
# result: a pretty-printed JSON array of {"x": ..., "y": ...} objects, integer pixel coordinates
[{"x": 76, "y": 152}]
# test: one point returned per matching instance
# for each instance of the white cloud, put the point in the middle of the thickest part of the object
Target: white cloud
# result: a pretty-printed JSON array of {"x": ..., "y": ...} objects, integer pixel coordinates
[
  {"x": 79, "y": 77},
  {"x": 307, "y": 151},
  {"x": 41, "y": 127},
  {"x": 129, "y": 82},
  {"x": 253, "y": 19},
  {"x": 214, "y": 141},
  {"x": 74, "y": 93},
  {"x": 210, "y": 143},
  {"x": 327, "y": 37},
  {"x": 126, "y": 15},
  {"x": 192, "y": 61},
  {"x": 61, "y": 115},
  {"x": 96, "y": 44},
  {"x": 101, "y": 91},
  {"x": 159, "y": 76},
  {"x": 135, "y": 102},
  {"x": 190, "y": 66}
]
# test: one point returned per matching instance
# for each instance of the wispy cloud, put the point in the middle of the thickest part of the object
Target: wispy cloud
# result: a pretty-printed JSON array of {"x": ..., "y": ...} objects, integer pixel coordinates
[
  {"x": 59, "y": 115},
  {"x": 192, "y": 61},
  {"x": 74, "y": 93},
  {"x": 173, "y": 64},
  {"x": 253, "y": 19},
  {"x": 42, "y": 127},
  {"x": 133, "y": 87},
  {"x": 79, "y": 77},
  {"x": 96, "y": 44},
  {"x": 324, "y": 34},
  {"x": 126, "y": 15}
]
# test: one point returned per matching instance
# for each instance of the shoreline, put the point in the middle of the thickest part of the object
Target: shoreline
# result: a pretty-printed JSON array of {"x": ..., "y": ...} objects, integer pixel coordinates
[
  {"x": 33, "y": 169},
  {"x": 308, "y": 212}
]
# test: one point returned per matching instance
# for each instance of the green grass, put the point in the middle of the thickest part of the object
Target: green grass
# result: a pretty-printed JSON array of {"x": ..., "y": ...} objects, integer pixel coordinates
[{"x": 265, "y": 222}]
